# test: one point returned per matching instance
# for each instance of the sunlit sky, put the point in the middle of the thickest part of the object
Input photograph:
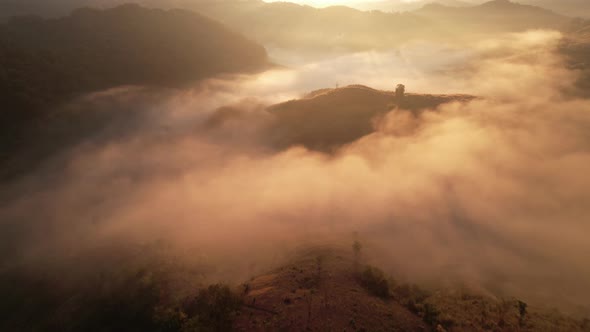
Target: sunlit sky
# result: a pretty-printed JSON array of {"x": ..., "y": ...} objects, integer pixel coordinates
[
  {"x": 325, "y": 3},
  {"x": 318, "y": 3},
  {"x": 374, "y": 4}
]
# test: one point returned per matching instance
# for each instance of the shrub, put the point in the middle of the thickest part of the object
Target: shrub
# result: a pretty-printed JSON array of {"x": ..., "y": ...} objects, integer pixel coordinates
[
  {"x": 374, "y": 280},
  {"x": 212, "y": 309},
  {"x": 430, "y": 314},
  {"x": 169, "y": 319},
  {"x": 406, "y": 293}
]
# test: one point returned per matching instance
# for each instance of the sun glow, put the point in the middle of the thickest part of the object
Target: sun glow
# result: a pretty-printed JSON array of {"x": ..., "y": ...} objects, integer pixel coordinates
[
  {"x": 324, "y": 3},
  {"x": 359, "y": 4}
]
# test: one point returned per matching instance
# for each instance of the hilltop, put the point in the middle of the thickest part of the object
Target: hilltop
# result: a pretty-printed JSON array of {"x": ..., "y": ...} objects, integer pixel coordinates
[
  {"x": 329, "y": 118},
  {"x": 331, "y": 289},
  {"x": 319, "y": 291}
]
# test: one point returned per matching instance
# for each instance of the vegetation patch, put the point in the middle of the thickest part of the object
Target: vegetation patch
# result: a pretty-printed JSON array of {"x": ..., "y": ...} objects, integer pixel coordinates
[
  {"x": 140, "y": 301},
  {"x": 375, "y": 281}
]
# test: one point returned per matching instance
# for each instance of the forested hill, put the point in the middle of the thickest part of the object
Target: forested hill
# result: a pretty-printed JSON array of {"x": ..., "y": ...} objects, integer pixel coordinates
[{"x": 44, "y": 62}]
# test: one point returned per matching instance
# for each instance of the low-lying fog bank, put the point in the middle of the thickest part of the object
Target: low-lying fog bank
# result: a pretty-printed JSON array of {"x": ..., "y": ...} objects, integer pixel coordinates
[{"x": 491, "y": 193}]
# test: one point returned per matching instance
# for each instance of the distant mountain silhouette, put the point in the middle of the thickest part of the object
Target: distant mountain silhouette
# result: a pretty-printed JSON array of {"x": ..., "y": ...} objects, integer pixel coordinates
[
  {"x": 46, "y": 62},
  {"x": 574, "y": 8},
  {"x": 293, "y": 26},
  {"x": 492, "y": 16},
  {"x": 59, "y": 8},
  {"x": 404, "y": 6},
  {"x": 288, "y": 25}
]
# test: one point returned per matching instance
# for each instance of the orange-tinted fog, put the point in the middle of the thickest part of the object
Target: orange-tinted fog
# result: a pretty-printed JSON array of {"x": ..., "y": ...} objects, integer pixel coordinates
[{"x": 492, "y": 193}]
